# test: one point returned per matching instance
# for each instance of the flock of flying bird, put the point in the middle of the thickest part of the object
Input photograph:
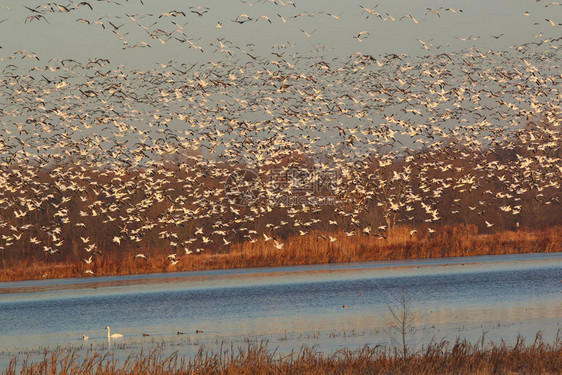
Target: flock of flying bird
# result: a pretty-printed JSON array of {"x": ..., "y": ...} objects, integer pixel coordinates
[
  {"x": 171, "y": 25},
  {"x": 98, "y": 158}
]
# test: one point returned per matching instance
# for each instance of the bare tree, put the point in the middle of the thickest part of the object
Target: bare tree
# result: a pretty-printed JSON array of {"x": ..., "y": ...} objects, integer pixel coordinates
[{"x": 402, "y": 319}]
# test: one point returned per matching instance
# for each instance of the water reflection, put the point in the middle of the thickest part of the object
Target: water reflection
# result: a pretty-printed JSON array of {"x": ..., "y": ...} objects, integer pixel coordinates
[{"x": 289, "y": 306}]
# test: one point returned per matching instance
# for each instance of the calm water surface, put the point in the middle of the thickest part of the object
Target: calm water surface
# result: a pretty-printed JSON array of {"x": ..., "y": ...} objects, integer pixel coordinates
[{"x": 290, "y": 306}]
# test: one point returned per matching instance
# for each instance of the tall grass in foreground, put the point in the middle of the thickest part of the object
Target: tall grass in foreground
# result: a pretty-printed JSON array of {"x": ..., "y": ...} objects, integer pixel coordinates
[
  {"x": 313, "y": 248},
  {"x": 257, "y": 358}
]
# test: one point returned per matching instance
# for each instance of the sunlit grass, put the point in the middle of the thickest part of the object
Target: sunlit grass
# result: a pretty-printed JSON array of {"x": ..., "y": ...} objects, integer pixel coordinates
[
  {"x": 446, "y": 241},
  {"x": 460, "y": 357}
]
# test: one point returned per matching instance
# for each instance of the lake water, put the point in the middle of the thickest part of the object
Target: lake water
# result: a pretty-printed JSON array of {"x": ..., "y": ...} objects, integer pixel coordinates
[{"x": 456, "y": 297}]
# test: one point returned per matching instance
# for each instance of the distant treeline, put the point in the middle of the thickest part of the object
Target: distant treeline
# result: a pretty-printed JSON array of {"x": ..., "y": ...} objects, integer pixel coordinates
[{"x": 192, "y": 206}]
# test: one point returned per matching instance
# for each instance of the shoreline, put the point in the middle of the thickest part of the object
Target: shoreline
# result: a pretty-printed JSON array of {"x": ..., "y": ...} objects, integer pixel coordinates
[
  {"x": 307, "y": 250},
  {"x": 448, "y": 263},
  {"x": 259, "y": 356}
]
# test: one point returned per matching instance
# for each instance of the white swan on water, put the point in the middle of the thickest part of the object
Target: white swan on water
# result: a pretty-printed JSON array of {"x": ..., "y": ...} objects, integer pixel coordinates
[{"x": 110, "y": 336}]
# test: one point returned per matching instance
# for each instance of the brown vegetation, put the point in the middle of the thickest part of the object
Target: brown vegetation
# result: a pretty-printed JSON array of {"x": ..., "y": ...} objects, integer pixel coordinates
[
  {"x": 256, "y": 358},
  {"x": 62, "y": 219},
  {"x": 313, "y": 248}
]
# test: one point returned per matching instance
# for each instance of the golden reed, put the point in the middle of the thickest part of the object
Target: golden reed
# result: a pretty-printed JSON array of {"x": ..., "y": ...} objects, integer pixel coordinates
[
  {"x": 256, "y": 357},
  {"x": 313, "y": 248}
]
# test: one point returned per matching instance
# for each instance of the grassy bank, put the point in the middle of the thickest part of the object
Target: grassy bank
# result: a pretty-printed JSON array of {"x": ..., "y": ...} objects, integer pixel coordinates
[
  {"x": 460, "y": 357},
  {"x": 314, "y": 248}
]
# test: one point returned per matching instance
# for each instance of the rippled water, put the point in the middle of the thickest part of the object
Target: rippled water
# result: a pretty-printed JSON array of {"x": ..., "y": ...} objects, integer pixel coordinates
[{"x": 289, "y": 306}]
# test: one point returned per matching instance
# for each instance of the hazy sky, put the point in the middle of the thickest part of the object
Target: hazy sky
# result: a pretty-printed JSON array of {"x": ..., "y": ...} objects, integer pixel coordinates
[{"x": 331, "y": 29}]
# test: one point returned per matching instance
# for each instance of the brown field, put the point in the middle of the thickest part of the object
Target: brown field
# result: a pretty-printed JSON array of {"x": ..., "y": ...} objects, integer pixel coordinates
[
  {"x": 257, "y": 358},
  {"x": 447, "y": 241}
]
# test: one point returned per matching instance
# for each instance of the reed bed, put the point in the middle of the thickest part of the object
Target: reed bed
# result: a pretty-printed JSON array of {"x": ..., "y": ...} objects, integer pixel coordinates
[
  {"x": 460, "y": 357},
  {"x": 313, "y": 248}
]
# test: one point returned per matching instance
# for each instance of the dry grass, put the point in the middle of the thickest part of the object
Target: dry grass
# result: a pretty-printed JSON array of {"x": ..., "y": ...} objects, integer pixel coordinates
[
  {"x": 257, "y": 358},
  {"x": 447, "y": 241}
]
